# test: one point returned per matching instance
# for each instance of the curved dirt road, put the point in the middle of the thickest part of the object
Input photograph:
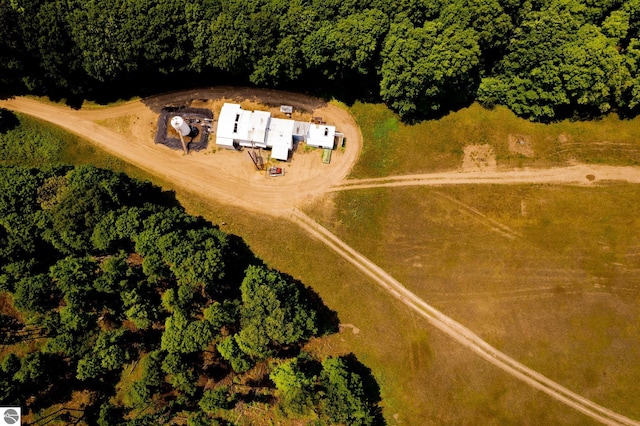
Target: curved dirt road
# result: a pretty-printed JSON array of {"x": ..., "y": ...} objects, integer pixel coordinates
[{"x": 225, "y": 177}]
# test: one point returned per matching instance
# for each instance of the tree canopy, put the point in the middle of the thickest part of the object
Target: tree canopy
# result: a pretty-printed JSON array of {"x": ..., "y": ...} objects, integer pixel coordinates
[
  {"x": 118, "y": 281},
  {"x": 544, "y": 59}
]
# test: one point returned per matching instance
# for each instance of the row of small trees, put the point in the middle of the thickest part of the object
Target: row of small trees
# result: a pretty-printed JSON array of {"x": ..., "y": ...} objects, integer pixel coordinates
[
  {"x": 544, "y": 59},
  {"x": 107, "y": 272}
]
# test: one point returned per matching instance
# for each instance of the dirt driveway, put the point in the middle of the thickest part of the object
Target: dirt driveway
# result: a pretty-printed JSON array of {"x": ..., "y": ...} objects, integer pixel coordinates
[{"x": 225, "y": 176}]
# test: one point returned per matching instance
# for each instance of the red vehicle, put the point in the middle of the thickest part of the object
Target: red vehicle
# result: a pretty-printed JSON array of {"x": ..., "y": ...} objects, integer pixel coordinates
[{"x": 275, "y": 171}]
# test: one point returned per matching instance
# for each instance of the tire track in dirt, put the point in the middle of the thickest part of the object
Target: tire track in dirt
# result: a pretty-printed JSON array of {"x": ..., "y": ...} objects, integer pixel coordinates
[
  {"x": 456, "y": 330},
  {"x": 482, "y": 218}
]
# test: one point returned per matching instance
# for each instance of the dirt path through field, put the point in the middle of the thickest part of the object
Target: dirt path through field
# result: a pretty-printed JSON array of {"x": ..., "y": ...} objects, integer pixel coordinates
[
  {"x": 227, "y": 177},
  {"x": 580, "y": 174},
  {"x": 456, "y": 330}
]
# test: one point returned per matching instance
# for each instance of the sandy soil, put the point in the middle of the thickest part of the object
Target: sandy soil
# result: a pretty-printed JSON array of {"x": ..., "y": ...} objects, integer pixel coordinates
[
  {"x": 226, "y": 176},
  {"x": 520, "y": 144}
]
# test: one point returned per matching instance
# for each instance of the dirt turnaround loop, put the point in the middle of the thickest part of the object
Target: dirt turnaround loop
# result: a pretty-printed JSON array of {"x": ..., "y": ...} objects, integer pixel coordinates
[{"x": 228, "y": 177}]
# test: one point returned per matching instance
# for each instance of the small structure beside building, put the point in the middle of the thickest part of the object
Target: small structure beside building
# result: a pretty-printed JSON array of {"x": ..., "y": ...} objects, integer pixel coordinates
[
  {"x": 287, "y": 110},
  {"x": 257, "y": 129},
  {"x": 321, "y": 136}
]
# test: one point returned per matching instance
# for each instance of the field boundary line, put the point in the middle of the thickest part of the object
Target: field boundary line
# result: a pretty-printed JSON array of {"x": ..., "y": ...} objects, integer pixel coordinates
[{"x": 456, "y": 330}]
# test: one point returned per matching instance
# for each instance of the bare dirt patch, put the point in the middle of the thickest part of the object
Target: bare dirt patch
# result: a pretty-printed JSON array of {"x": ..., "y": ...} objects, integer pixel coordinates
[
  {"x": 520, "y": 144},
  {"x": 354, "y": 329},
  {"x": 479, "y": 158},
  {"x": 215, "y": 105}
]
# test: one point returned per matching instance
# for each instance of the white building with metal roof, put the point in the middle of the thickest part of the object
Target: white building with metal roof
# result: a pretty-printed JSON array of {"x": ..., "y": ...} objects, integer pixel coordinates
[
  {"x": 228, "y": 121},
  {"x": 238, "y": 127}
]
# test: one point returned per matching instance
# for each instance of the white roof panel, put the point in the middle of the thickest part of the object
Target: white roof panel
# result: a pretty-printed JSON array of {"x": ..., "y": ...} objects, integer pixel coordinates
[
  {"x": 257, "y": 126},
  {"x": 321, "y": 135},
  {"x": 227, "y": 120},
  {"x": 280, "y": 152},
  {"x": 280, "y": 133}
]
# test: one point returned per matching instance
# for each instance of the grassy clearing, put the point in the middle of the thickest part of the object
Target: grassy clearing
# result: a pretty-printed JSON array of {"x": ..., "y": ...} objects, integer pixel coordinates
[
  {"x": 392, "y": 148},
  {"x": 547, "y": 274},
  {"x": 36, "y": 143},
  {"x": 131, "y": 373},
  {"x": 31, "y": 143}
]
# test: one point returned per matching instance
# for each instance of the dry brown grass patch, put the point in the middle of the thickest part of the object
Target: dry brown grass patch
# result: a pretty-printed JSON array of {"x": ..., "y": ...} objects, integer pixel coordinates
[
  {"x": 520, "y": 144},
  {"x": 479, "y": 158}
]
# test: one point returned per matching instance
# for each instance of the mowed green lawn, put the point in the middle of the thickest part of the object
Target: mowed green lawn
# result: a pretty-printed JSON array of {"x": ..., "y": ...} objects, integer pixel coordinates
[{"x": 548, "y": 274}]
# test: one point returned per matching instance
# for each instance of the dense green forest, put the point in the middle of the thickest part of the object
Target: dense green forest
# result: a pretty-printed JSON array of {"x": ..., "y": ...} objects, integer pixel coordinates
[
  {"x": 117, "y": 307},
  {"x": 544, "y": 59}
]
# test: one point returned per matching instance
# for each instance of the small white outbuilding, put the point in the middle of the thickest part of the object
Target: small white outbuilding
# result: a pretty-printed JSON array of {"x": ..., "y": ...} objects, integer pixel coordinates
[{"x": 321, "y": 136}]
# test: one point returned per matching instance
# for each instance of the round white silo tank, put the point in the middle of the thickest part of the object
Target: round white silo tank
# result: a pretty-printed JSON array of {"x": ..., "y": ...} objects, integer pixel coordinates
[{"x": 180, "y": 125}]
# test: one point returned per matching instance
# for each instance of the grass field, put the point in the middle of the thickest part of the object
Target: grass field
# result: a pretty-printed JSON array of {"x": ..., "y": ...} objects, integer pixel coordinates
[
  {"x": 425, "y": 377},
  {"x": 547, "y": 274},
  {"x": 557, "y": 289},
  {"x": 393, "y": 148}
]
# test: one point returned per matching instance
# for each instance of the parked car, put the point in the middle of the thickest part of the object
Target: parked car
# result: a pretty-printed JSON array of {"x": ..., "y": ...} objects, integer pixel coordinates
[{"x": 275, "y": 171}]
